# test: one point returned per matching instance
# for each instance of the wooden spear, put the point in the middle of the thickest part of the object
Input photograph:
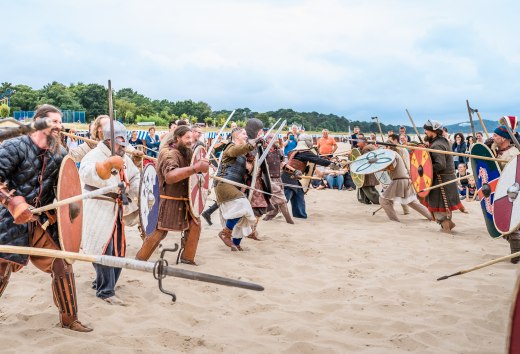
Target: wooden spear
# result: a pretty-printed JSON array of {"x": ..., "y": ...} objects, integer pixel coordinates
[
  {"x": 445, "y": 183},
  {"x": 482, "y": 123},
  {"x": 497, "y": 260},
  {"x": 77, "y": 198},
  {"x": 414, "y": 127},
  {"x": 95, "y": 142},
  {"x": 412, "y": 147},
  {"x": 128, "y": 263}
]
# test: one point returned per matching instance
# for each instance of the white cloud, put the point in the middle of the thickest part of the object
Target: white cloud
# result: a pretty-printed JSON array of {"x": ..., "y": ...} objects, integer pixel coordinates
[{"x": 356, "y": 58}]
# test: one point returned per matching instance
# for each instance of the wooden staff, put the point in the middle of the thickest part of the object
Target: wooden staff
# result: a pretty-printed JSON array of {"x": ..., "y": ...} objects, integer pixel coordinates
[
  {"x": 310, "y": 177},
  {"x": 128, "y": 263},
  {"x": 77, "y": 198},
  {"x": 445, "y": 183},
  {"x": 379, "y": 126},
  {"x": 497, "y": 260},
  {"x": 240, "y": 185},
  {"x": 412, "y": 147},
  {"x": 482, "y": 123},
  {"x": 95, "y": 142},
  {"x": 414, "y": 127}
]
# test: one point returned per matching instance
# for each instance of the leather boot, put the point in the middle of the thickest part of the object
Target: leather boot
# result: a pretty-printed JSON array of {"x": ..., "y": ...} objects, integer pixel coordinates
[
  {"x": 64, "y": 293},
  {"x": 388, "y": 207},
  {"x": 190, "y": 243},
  {"x": 206, "y": 214},
  {"x": 446, "y": 226},
  {"x": 285, "y": 212},
  {"x": 225, "y": 236},
  {"x": 150, "y": 244},
  {"x": 514, "y": 244},
  {"x": 5, "y": 274},
  {"x": 421, "y": 209}
]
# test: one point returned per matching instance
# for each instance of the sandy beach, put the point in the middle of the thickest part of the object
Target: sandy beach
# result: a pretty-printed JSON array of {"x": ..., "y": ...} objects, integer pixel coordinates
[{"x": 341, "y": 281}]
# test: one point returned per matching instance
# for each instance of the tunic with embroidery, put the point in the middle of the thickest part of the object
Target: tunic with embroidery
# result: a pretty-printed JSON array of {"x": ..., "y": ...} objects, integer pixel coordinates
[{"x": 174, "y": 215}]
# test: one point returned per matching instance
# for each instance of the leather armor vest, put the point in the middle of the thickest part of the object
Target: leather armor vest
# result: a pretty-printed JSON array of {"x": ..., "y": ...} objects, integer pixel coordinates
[
  {"x": 296, "y": 164},
  {"x": 274, "y": 162},
  {"x": 234, "y": 171}
]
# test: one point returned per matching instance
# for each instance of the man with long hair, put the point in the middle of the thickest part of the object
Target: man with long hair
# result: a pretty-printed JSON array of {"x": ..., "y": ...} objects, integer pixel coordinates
[
  {"x": 30, "y": 166},
  {"x": 174, "y": 169}
]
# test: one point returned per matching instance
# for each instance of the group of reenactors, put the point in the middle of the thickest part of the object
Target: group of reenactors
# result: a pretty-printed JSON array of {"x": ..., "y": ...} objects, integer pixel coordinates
[{"x": 246, "y": 189}]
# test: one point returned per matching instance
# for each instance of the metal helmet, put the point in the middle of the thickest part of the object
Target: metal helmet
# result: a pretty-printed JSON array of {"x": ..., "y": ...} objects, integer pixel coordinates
[
  {"x": 253, "y": 126},
  {"x": 119, "y": 132},
  {"x": 432, "y": 125},
  {"x": 306, "y": 138}
]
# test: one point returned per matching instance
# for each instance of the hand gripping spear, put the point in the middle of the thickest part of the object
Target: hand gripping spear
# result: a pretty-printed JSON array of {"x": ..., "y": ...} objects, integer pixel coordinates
[{"x": 160, "y": 269}]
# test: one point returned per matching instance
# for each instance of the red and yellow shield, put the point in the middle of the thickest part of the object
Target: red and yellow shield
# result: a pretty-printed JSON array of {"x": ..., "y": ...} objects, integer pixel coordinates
[{"x": 421, "y": 171}]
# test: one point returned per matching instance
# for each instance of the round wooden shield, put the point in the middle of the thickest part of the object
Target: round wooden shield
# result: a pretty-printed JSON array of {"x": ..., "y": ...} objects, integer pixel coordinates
[
  {"x": 486, "y": 175},
  {"x": 69, "y": 217},
  {"x": 199, "y": 184},
  {"x": 514, "y": 324},
  {"x": 149, "y": 200},
  {"x": 506, "y": 208},
  {"x": 373, "y": 161},
  {"x": 309, "y": 172},
  {"x": 358, "y": 179},
  {"x": 421, "y": 171}
]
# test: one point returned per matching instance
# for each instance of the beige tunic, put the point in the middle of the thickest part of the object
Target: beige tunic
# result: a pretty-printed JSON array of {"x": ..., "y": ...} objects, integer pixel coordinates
[{"x": 400, "y": 189}]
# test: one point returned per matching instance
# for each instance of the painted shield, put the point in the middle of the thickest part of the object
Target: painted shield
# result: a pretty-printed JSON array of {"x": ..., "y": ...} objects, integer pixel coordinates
[
  {"x": 149, "y": 200},
  {"x": 384, "y": 178},
  {"x": 487, "y": 174},
  {"x": 373, "y": 161},
  {"x": 199, "y": 184},
  {"x": 309, "y": 172},
  {"x": 358, "y": 179},
  {"x": 506, "y": 207},
  {"x": 421, "y": 171},
  {"x": 69, "y": 217},
  {"x": 514, "y": 325}
]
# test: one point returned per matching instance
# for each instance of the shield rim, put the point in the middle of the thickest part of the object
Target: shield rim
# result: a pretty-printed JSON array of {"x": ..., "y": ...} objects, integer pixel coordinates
[
  {"x": 414, "y": 175},
  {"x": 193, "y": 181},
  {"x": 309, "y": 172},
  {"x": 355, "y": 176},
  {"x": 381, "y": 166},
  {"x": 500, "y": 186},
  {"x": 64, "y": 162},
  {"x": 143, "y": 230}
]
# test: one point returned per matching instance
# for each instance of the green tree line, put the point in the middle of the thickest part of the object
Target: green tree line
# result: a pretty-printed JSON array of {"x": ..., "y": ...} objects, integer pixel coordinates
[{"x": 132, "y": 106}]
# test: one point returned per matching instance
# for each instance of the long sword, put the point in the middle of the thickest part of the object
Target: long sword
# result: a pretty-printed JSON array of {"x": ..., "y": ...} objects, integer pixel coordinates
[{"x": 214, "y": 142}]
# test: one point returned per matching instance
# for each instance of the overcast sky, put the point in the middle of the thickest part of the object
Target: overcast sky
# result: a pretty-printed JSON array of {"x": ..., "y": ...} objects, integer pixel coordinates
[{"x": 351, "y": 58}]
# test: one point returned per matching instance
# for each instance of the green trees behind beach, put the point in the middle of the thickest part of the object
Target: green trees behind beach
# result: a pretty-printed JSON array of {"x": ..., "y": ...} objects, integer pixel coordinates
[{"x": 132, "y": 106}]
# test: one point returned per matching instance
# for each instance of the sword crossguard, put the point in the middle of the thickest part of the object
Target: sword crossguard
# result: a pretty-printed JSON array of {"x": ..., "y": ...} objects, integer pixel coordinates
[{"x": 158, "y": 271}]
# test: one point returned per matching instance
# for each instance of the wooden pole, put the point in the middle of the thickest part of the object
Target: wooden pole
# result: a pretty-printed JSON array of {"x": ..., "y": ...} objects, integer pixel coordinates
[
  {"x": 412, "y": 147},
  {"x": 414, "y": 127},
  {"x": 379, "y": 126},
  {"x": 95, "y": 142},
  {"x": 77, "y": 198},
  {"x": 236, "y": 184},
  {"x": 482, "y": 123},
  {"x": 128, "y": 263},
  {"x": 445, "y": 183},
  {"x": 480, "y": 266}
]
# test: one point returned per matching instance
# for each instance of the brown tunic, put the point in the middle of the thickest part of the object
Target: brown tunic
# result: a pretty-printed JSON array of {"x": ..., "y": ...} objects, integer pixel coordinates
[
  {"x": 174, "y": 215},
  {"x": 225, "y": 191}
]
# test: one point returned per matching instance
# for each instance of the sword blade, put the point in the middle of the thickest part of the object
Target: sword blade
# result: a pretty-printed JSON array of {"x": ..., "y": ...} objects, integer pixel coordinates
[
  {"x": 212, "y": 146},
  {"x": 273, "y": 140}
]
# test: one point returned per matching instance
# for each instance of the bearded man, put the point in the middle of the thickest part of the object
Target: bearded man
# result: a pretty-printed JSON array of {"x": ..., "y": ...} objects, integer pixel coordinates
[
  {"x": 103, "y": 223},
  {"x": 442, "y": 201},
  {"x": 173, "y": 170},
  {"x": 30, "y": 166}
]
